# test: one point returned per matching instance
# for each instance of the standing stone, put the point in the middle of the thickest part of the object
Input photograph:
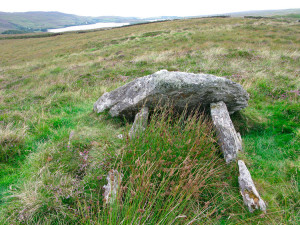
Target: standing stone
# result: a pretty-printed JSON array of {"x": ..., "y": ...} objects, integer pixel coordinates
[
  {"x": 229, "y": 140},
  {"x": 250, "y": 195},
  {"x": 140, "y": 123},
  {"x": 114, "y": 179},
  {"x": 240, "y": 141}
]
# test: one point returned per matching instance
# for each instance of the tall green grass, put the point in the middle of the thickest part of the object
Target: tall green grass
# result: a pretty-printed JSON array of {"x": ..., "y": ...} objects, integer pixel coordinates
[{"x": 172, "y": 174}]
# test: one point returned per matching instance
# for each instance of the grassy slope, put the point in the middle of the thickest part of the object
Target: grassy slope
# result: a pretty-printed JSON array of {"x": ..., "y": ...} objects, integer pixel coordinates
[
  {"x": 48, "y": 86},
  {"x": 291, "y": 15},
  {"x": 279, "y": 12},
  {"x": 5, "y": 25}
]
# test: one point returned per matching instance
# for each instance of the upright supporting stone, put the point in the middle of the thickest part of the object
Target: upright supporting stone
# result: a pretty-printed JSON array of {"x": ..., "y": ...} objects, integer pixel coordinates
[
  {"x": 229, "y": 140},
  {"x": 111, "y": 190},
  {"x": 250, "y": 195},
  {"x": 140, "y": 122},
  {"x": 240, "y": 141}
]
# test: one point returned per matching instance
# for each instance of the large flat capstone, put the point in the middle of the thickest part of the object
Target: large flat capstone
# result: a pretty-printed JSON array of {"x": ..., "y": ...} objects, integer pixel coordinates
[{"x": 182, "y": 89}]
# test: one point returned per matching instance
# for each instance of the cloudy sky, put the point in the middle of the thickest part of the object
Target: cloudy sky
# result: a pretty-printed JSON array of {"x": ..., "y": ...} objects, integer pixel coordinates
[{"x": 140, "y": 8}]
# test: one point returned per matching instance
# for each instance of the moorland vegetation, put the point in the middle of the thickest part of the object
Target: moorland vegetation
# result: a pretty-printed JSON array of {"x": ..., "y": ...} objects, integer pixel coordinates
[{"x": 55, "y": 152}]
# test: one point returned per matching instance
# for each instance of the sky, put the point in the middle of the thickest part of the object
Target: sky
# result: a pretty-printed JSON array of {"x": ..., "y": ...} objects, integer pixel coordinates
[{"x": 149, "y": 8}]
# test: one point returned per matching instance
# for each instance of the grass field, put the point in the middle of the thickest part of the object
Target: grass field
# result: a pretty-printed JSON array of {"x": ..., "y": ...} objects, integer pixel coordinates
[{"x": 55, "y": 152}]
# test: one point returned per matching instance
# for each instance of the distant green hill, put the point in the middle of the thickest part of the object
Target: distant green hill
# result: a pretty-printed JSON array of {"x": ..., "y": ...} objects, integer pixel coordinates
[
  {"x": 20, "y": 22},
  {"x": 267, "y": 13},
  {"x": 292, "y": 15},
  {"x": 40, "y": 21}
]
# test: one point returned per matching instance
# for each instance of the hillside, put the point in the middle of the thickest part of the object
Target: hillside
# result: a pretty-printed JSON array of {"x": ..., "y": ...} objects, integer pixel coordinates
[
  {"x": 26, "y": 22},
  {"x": 40, "y": 21},
  {"x": 267, "y": 13},
  {"x": 55, "y": 151}
]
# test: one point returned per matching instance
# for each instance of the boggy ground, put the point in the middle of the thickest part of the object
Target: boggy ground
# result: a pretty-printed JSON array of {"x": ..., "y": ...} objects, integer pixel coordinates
[{"x": 55, "y": 151}]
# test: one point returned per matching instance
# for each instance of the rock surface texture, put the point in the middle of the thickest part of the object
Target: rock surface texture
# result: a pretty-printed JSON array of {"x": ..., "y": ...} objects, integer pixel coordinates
[
  {"x": 250, "y": 195},
  {"x": 114, "y": 179},
  {"x": 229, "y": 140},
  {"x": 140, "y": 123},
  {"x": 182, "y": 89}
]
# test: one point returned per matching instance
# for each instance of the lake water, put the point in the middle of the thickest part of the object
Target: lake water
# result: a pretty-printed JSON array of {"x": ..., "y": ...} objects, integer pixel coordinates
[{"x": 87, "y": 27}]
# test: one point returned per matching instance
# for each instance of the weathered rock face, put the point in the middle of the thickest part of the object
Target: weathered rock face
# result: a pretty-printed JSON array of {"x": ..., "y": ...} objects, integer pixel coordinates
[
  {"x": 140, "y": 123},
  {"x": 182, "y": 89},
  {"x": 250, "y": 195},
  {"x": 229, "y": 140},
  {"x": 114, "y": 179}
]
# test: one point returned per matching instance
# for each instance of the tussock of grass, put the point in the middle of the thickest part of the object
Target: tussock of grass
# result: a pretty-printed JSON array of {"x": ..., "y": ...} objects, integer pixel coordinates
[
  {"x": 11, "y": 141},
  {"x": 169, "y": 169}
]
